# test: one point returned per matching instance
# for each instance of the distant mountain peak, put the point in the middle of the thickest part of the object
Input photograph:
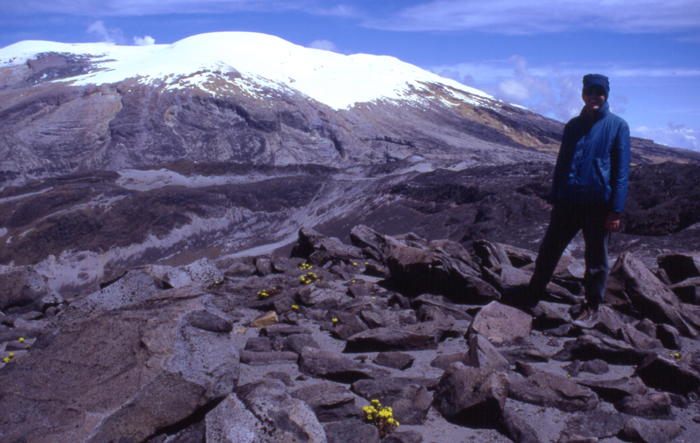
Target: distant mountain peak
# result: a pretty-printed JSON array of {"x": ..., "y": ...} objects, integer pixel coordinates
[{"x": 251, "y": 62}]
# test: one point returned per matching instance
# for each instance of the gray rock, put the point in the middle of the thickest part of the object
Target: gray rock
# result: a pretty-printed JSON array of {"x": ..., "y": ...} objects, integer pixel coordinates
[
  {"x": 403, "y": 437},
  {"x": 688, "y": 291},
  {"x": 311, "y": 241},
  {"x": 267, "y": 358},
  {"x": 417, "y": 271},
  {"x": 593, "y": 426},
  {"x": 333, "y": 366},
  {"x": 502, "y": 324},
  {"x": 351, "y": 431},
  {"x": 482, "y": 354},
  {"x": 633, "y": 289},
  {"x": 22, "y": 286},
  {"x": 517, "y": 428},
  {"x": 296, "y": 342},
  {"x": 330, "y": 401},
  {"x": 473, "y": 396},
  {"x": 447, "y": 307},
  {"x": 654, "y": 405},
  {"x": 669, "y": 336},
  {"x": 258, "y": 344},
  {"x": 389, "y": 339},
  {"x": 544, "y": 389},
  {"x": 115, "y": 384},
  {"x": 616, "y": 390},
  {"x": 445, "y": 360},
  {"x": 394, "y": 360},
  {"x": 409, "y": 400},
  {"x": 588, "y": 347},
  {"x": 345, "y": 325},
  {"x": 207, "y": 321},
  {"x": 550, "y": 315},
  {"x": 667, "y": 375},
  {"x": 492, "y": 255},
  {"x": 262, "y": 412},
  {"x": 647, "y": 431}
]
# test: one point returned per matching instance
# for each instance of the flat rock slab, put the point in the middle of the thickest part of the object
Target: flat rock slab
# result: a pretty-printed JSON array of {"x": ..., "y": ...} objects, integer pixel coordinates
[
  {"x": 389, "y": 339},
  {"x": 333, "y": 366},
  {"x": 110, "y": 376},
  {"x": 502, "y": 324},
  {"x": 551, "y": 390}
]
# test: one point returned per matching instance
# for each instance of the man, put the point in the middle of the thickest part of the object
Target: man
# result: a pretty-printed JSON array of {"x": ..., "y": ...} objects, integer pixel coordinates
[{"x": 588, "y": 194}]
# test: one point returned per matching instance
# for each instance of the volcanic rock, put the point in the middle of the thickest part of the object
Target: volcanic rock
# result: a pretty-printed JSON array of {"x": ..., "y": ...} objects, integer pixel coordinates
[
  {"x": 471, "y": 396},
  {"x": 335, "y": 367},
  {"x": 633, "y": 289},
  {"x": 502, "y": 324},
  {"x": 330, "y": 401},
  {"x": 135, "y": 360},
  {"x": 551, "y": 390}
]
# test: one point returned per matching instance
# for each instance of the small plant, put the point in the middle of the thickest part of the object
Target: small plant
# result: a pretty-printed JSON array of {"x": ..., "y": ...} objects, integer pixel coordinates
[
  {"x": 307, "y": 278},
  {"x": 305, "y": 266},
  {"x": 380, "y": 416},
  {"x": 268, "y": 292}
]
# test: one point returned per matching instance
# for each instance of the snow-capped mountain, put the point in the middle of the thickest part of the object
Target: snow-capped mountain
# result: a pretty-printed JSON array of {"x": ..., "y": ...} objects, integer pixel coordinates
[
  {"x": 242, "y": 97},
  {"x": 249, "y": 62}
]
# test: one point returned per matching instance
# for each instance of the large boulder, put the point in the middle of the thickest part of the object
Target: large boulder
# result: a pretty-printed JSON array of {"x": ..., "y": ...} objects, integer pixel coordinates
[
  {"x": 635, "y": 290},
  {"x": 416, "y": 271},
  {"x": 471, "y": 396},
  {"x": 120, "y": 375},
  {"x": 21, "y": 286},
  {"x": 502, "y": 324}
]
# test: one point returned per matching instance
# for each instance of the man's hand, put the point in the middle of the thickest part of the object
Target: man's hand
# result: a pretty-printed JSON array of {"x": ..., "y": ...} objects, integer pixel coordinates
[{"x": 612, "y": 224}]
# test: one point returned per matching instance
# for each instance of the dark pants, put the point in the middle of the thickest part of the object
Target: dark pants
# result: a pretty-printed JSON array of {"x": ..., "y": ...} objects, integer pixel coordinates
[{"x": 567, "y": 219}]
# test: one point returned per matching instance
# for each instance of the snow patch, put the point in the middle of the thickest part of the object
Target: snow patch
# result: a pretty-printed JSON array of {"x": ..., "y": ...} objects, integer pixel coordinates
[{"x": 259, "y": 61}]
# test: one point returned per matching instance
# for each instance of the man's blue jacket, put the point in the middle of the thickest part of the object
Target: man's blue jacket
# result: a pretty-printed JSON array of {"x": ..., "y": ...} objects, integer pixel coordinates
[{"x": 594, "y": 161}]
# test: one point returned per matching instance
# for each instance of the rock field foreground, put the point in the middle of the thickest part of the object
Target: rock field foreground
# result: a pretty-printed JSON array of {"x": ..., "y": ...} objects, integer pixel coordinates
[{"x": 277, "y": 349}]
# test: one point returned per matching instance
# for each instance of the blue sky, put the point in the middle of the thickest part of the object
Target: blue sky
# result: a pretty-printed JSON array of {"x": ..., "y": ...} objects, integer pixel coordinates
[{"x": 530, "y": 53}]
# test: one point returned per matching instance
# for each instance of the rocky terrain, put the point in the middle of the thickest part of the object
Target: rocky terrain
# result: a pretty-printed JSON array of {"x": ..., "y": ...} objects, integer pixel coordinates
[{"x": 270, "y": 348}]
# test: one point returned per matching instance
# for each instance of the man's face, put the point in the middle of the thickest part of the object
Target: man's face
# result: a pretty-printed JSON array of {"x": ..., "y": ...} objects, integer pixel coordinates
[{"x": 593, "y": 98}]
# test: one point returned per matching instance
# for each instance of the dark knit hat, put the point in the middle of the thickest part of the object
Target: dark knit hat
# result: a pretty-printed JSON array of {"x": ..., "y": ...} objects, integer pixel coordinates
[{"x": 596, "y": 79}]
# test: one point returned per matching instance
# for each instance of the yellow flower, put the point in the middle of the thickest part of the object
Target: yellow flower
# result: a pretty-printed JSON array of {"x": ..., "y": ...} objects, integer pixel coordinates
[
  {"x": 390, "y": 421},
  {"x": 21, "y": 339},
  {"x": 295, "y": 307},
  {"x": 6, "y": 359},
  {"x": 334, "y": 320},
  {"x": 12, "y": 354}
]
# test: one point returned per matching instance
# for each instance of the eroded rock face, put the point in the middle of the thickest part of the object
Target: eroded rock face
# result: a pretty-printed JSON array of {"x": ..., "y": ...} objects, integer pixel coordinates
[{"x": 121, "y": 373}]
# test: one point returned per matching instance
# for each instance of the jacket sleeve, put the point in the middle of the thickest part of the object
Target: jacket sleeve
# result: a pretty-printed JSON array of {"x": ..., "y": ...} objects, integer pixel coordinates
[
  {"x": 560, "y": 165},
  {"x": 620, "y": 168}
]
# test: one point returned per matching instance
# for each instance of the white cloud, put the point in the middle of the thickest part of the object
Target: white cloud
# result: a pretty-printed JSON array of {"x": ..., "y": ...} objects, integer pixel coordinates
[
  {"x": 151, "y": 7},
  {"x": 145, "y": 41},
  {"x": 677, "y": 136},
  {"x": 100, "y": 31},
  {"x": 522, "y": 17},
  {"x": 325, "y": 45}
]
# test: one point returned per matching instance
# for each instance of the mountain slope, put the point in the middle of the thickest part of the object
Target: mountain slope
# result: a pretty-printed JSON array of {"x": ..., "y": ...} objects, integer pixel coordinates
[{"x": 228, "y": 141}]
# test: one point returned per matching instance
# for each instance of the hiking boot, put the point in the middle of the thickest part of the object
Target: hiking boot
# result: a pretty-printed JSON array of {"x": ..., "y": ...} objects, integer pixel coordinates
[{"x": 588, "y": 318}]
